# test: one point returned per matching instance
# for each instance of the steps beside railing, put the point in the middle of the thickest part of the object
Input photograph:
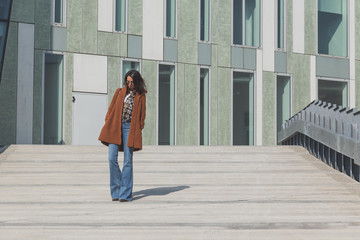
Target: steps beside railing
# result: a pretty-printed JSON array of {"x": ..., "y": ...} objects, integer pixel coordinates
[{"x": 329, "y": 132}]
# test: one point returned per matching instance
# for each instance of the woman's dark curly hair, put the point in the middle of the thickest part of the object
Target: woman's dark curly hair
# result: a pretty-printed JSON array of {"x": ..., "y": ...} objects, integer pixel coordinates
[{"x": 139, "y": 83}]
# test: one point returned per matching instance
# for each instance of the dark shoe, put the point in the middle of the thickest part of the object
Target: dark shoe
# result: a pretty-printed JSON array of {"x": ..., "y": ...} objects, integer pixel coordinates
[
  {"x": 115, "y": 199},
  {"x": 123, "y": 200}
]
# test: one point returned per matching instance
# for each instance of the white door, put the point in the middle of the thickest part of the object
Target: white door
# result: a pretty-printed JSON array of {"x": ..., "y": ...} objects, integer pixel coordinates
[{"x": 88, "y": 117}]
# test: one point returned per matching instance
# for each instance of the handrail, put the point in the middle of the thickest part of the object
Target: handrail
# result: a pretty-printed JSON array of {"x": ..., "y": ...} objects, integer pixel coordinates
[{"x": 329, "y": 132}]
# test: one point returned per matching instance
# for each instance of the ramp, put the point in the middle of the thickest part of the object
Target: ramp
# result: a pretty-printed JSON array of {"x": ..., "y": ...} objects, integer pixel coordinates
[{"x": 282, "y": 192}]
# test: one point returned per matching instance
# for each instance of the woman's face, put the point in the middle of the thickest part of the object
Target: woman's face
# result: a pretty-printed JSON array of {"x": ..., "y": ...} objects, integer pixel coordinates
[{"x": 130, "y": 83}]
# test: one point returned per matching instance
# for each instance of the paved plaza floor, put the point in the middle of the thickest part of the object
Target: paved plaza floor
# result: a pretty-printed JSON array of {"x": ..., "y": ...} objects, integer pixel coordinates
[{"x": 62, "y": 192}]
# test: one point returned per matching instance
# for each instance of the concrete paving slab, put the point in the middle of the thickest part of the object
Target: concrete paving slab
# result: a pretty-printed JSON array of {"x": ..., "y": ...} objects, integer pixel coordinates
[{"x": 62, "y": 192}]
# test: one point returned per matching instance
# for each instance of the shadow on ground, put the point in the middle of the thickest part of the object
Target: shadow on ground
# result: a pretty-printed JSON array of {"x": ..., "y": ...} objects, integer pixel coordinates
[{"x": 161, "y": 191}]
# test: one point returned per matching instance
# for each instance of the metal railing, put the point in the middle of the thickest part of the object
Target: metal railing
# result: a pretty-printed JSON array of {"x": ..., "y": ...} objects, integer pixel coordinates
[{"x": 329, "y": 132}]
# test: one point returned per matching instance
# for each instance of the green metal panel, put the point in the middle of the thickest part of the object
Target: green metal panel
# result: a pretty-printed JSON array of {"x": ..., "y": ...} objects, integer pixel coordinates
[
  {"x": 237, "y": 57},
  {"x": 332, "y": 67},
  {"x": 37, "y": 106},
  {"x": 74, "y": 24},
  {"x": 250, "y": 58},
  {"x": 181, "y": 106},
  {"x": 224, "y": 110},
  {"x": 357, "y": 84},
  {"x": 269, "y": 124},
  {"x": 68, "y": 104},
  {"x": 113, "y": 76},
  {"x": 188, "y": 31},
  {"x": 357, "y": 30},
  {"x": 123, "y": 45},
  {"x": 204, "y": 50},
  {"x": 220, "y": 34},
  {"x": 10, "y": 67},
  {"x": 301, "y": 81},
  {"x": 58, "y": 39},
  {"x": 90, "y": 23},
  {"x": 310, "y": 29},
  {"x": 108, "y": 43},
  {"x": 134, "y": 46},
  {"x": 8, "y": 88},
  {"x": 170, "y": 50},
  {"x": 42, "y": 24},
  {"x": 191, "y": 105},
  {"x": 213, "y": 97},
  {"x": 289, "y": 35},
  {"x": 135, "y": 11},
  {"x": 280, "y": 62},
  {"x": 149, "y": 73},
  {"x": 23, "y": 11}
]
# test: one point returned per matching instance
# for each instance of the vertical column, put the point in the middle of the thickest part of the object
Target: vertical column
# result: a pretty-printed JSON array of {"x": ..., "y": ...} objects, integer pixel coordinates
[
  {"x": 269, "y": 35},
  {"x": 153, "y": 29},
  {"x": 258, "y": 100},
  {"x": 25, "y": 82},
  {"x": 298, "y": 26},
  {"x": 352, "y": 53},
  {"x": 313, "y": 80},
  {"x": 105, "y": 15}
]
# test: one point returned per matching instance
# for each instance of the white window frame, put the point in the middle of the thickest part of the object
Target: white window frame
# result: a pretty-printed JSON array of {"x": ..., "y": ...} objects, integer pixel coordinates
[
  {"x": 122, "y": 69},
  {"x": 157, "y": 101},
  {"x": 285, "y": 26},
  {"x": 232, "y": 104},
  {"x": 53, "y": 23},
  {"x": 43, "y": 93},
  {"x": 210, "y": 29},
  {"x": 344, "y": 80},
  {"x": 243, "y": 27},
  {"x": 176, "y": 20},
  {"x": 348, "y": 32},
  {"x": 126, "y": 17},
  {"x": 209, "y": 112},
  {"x": 291, "y": 97}
]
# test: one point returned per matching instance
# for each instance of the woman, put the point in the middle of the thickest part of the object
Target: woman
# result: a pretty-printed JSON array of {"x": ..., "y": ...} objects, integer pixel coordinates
[{"x": 124, "y": 122}]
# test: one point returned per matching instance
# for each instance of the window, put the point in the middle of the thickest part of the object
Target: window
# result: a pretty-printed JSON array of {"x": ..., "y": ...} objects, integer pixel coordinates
[
  {"x": 120, "y": 15},
  {"x": 59, "y": 12},
  {"x": 332, "y": 27},
  {"x": 166, "y": 133},
  {"x": 127, "y": 66},
  {"x": 283, "y": 100},
  {"x": 205, "y": 20},
  {"x": 280, "y": 24},
  {"x": 246, "y": 22},
  {"x": 53, "y": 99},
  {"x": 171, "y": 18},
  {"x": 5, "y": 7},
  {"x": 204, "y": 106},
  {"x": 243, "y": 108},
  {"x": 335, "y": 92}
]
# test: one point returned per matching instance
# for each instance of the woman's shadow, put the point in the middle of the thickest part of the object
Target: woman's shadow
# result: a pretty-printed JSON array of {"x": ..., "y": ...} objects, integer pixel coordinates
[{"x": 161, "y": 191}]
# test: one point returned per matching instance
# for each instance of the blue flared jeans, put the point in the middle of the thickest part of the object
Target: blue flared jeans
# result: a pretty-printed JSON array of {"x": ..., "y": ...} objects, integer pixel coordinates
[{"x": 121, "y": 182}]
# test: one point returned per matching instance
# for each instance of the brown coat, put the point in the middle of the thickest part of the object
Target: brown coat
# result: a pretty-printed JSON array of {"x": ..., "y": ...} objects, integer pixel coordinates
[{"x": 111, "y": 131}]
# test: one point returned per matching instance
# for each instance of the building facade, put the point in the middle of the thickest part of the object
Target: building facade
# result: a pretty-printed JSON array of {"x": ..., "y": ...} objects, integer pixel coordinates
[{"x": 218, "y": 72}]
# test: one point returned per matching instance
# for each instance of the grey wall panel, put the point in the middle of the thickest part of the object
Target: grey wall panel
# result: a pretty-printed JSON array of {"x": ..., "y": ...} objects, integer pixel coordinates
[
  {"x": 280, "y": 62},
  {"x": 204, "y": 53},
  {"x": 170, "y": 50},
  {"x": 89, "y": 112},
  {"x": 134, "y": 46},
  {"x": 250, "y": 58},
  {"x": 237, "y": 57},
  {"x": 24, "y": 123},
  {"x": 332, "y": 67},
  {"x": 58, "y": 38}
]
